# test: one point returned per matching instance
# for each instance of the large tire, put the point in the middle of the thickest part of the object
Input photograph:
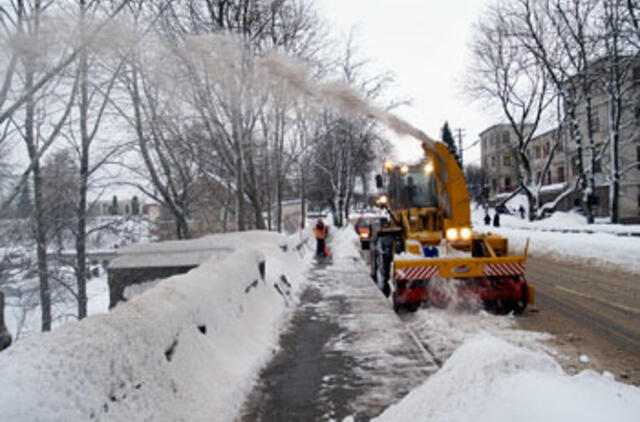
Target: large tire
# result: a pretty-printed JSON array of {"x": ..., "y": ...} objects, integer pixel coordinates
[
  {"x": 520, "y": 305},
  {"x": 412, "y": 307}
]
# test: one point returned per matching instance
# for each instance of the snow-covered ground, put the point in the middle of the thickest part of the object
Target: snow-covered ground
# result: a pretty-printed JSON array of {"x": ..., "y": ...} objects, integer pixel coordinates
[
  {"x": 22, "y": 312},
  {"x": 190, "y": 347},
  {"x": 20, "y": 281},
  {"x": 564, "y": 236},
  {"x": 490, "y": 379},
  {"x": 493, "y": 371},
  {"x": 187, "y": 349}
]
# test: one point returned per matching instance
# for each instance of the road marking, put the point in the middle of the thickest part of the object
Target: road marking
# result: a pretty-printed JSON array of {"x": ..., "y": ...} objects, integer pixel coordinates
[{"x": 597, "y": 299}]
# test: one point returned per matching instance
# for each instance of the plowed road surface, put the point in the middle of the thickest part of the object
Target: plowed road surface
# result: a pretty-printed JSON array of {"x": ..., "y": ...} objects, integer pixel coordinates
[{"x": 591, "y": 310}]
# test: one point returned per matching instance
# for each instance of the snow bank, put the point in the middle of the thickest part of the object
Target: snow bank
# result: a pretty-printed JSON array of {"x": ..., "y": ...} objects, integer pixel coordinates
[
  {"x": 602, "y": 246},
  {"x": 345, "y": 242},
  {"x": 488, "y": 379},
  {"x": 187, "y": 349}
]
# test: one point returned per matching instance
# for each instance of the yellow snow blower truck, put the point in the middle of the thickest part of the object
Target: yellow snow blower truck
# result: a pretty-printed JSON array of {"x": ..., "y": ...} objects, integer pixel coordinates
[{"x": 425, "y": 251}]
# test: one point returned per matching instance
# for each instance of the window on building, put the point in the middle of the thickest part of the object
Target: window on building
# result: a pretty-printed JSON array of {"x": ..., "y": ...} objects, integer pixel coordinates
[
  {"x": 560, "y": 140},
  {"x": 494, "y": 184},
  {"x": 507, "y": 182},
  {"x": 538, "y": 151},
  {"x": 538, "y": 176},
  {"x": 493, "y": 162},
  {"x": 506, "y": 137},
  {"x": 545, "y": 149},
  {"x": 560, "y": 174},
  {"x": 636, "y": 74},
  {"x": 506, "y": 160},
  {"x": 595, "y": 122},
  {"x": 597, "y": 166}
]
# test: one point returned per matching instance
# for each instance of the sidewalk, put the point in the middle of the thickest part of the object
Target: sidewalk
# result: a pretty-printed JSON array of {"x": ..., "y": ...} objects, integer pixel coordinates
[{"x": 345, "y": 353}]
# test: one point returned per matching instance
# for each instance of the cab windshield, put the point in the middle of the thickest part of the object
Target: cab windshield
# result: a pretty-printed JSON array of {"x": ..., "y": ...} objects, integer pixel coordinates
[{"x": 413, "y": 189}]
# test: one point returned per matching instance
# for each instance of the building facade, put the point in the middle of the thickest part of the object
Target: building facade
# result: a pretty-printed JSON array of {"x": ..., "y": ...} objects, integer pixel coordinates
[{"x": 499, "y": 159}]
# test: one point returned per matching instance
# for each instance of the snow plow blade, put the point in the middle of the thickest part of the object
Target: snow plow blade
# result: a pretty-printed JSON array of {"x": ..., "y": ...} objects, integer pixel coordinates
[
  {"x": 498, "y": 283},
  {"x": 458, "y": 267}
]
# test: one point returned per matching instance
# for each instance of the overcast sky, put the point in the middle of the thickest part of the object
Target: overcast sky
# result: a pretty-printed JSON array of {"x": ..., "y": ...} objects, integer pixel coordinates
[{"x": 425, "y": 44}]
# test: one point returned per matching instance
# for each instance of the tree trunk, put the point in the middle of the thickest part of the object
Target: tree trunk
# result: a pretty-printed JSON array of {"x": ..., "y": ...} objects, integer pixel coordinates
[
  {"x": 591, "y": 182},
  {"x": 615, "y": 105},
  {"x": 81, "y": 260},
  {"x": 239, "y": 170},
  {"x": 5, "y": 335},
  {"x": 40, "y": 219},
  {"x": 303, "y": 199}
]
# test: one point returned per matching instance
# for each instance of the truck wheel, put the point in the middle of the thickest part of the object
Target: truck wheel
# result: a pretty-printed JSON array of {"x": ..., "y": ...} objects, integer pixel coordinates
[
  {"x": 413, "y": 307},
  {"x": 380, "y": 272},
  {"x": 397, "y": 306},
  {"x": 520, "y": 305}
]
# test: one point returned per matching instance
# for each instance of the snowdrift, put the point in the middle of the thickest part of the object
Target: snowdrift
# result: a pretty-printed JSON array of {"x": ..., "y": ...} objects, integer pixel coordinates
[
  {"x": 488, "y": 379},
  {"x": 187, "y": 349}
]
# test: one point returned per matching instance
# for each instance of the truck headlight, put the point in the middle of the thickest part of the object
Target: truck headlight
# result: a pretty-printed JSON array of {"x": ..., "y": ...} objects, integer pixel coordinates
[
  {"x": 465, "y": 233},
  {"x": 452, "y": 234},
  {"x": 428, "y": 168}
]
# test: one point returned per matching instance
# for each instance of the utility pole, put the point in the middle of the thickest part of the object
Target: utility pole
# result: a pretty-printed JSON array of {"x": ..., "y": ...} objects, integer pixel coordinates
[{"x": 460, "y": 132}]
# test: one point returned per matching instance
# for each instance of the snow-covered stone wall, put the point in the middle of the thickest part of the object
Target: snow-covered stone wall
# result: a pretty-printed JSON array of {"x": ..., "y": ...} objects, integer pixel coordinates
[{"x": 187, "y": 349}]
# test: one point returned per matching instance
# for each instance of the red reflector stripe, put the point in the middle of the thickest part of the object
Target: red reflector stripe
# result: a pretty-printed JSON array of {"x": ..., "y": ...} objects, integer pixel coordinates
[
  {"x": 515, "y": 268},
  {"x": 417, "y": 273}
]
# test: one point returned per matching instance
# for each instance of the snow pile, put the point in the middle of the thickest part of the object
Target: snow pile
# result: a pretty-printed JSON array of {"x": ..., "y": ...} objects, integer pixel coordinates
[
  {"x": 558, "y": 221},
  {"x": 602, "y": 246},
  {"x": 345, "y": 242},
  {"x": 187, "y": 349},
  {"x": 488, "y": 379}
]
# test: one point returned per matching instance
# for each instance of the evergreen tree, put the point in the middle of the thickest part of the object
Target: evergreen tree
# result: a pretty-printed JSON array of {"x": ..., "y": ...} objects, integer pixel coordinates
[{"x": 447, "y": 138}]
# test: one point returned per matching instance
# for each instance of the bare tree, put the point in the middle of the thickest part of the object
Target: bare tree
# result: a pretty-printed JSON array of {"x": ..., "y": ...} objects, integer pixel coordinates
[
  {"x": 504, "y": 71},
  {"x": 621, "y": 56},
  {"x": 19, "y": 39},
  {"x": 561, "y": 36}
]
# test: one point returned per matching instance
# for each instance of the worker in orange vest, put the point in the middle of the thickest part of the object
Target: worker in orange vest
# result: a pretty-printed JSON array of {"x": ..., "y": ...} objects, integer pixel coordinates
[{"x": 320, "y": 231}]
